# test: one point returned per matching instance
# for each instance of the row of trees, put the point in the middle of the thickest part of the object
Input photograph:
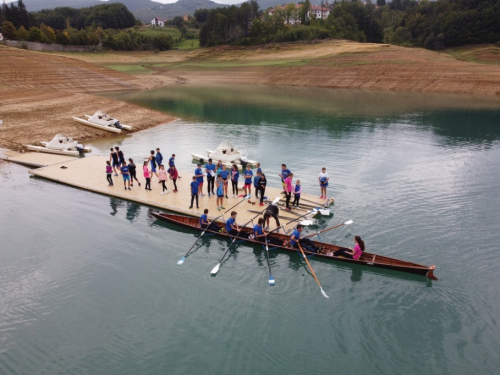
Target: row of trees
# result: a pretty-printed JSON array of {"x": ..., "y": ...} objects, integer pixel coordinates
[
  {"x": 246, "y": 24},
  {"x": 97, "y": 25}
]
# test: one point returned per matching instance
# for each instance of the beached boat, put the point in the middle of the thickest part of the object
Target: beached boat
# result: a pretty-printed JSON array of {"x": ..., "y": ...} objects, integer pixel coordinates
[
  {"x": 228, "y": 154},
  {"x": 61, "y": 144},
  {"x": 368, "y": 259},
  {"x": 103, "y": 121}
]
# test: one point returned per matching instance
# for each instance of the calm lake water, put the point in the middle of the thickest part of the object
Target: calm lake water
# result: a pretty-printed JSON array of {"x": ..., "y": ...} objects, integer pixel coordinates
[{"x": 89, "y": 284}]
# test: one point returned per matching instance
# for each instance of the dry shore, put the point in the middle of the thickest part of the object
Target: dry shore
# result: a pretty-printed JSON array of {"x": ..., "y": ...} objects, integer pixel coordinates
[{"x": 39, "y": 92}]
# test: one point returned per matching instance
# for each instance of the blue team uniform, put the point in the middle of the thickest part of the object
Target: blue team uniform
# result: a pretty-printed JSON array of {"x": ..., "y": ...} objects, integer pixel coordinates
[
  {"x": 285, "y": 173},
  {"x": 203, "y": 218},
  {"x": 198, "y": 172},
  {"x": 171, "y": 162},
  {"x": 224, "y": 174},
  {"x": 295, "y": 233},
  {"x": 194, "y": 188},
  {"x": 230, "y": 222},
  {"x": 159, "y": 158},
  {"x": 248, "y": 177}
]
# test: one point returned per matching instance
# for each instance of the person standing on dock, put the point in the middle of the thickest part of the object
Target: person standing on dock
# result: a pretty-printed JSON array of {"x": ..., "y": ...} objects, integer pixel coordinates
[
  {"x": 121, "y": 157},
  {"x": 126, "y": 175},
  {"x": 158, "y": 157},
  {"x": 220, "y": 192},
  {"x": 132, "y": 170},
  {"x": 109, "y": 172},
  {"x": 323, "y": 182},
  {"x": 147, "y": 175},
  {"x": 297, "y": 191},
  {"x": 284, "y": 174},
  {"x": 171, "y": 161},
  {"x": 258, "y": 168},
  {"x": 235, "y": 175},
  {"x": 262, "y": 188},
  {"x": 194, "y": 192},
  {"x": 224, "y": 173},
  {"x": 248, "y": 181},
  {"x": 288, "y": 190},
  {"x": 174, "y": 174},
  {"x": 152, "y": 161},
  {"x": 256, "y": 184},
  {"x": 162, "y": 175},
  {"x": 198, "y": 173},
  {"x": 272, "y": 211},
  {"x": 113, "y": 158},
  {"x": 210, "y": 171}
]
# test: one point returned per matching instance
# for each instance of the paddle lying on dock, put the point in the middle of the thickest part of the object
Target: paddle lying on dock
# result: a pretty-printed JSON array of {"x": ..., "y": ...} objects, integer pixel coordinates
[
  {"x": 348, "y": 222},
  {"x": 184, "y": 257},
  {"x": 312, "y": 271},
  {"x": 216, "y": 268}
]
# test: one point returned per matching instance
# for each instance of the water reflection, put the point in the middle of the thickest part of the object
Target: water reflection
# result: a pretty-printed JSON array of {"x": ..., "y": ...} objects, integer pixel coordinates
[
  {"x": 115, "y": 203},
  {"x": 133, "y": 211}
]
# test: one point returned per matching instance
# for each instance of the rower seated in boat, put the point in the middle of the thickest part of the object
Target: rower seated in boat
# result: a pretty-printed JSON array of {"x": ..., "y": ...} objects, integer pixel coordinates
[
  {"x": 272, "y": 211},
  {"x": 206, "y": 224},
  {"x": 306, "y": 243},
  {"x": 359, "y": 247},
  {"x": 232, "y": 227},
  {"x": 260, "y": 235}
]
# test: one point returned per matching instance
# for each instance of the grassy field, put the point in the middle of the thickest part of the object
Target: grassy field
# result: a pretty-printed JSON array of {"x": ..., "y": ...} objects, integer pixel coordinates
[
  {"x": 154, "y": 31},
  {"x": 481, "y": 54},
  {"x": 188, "y": 44},
  {"x": 129, "y": 68}
]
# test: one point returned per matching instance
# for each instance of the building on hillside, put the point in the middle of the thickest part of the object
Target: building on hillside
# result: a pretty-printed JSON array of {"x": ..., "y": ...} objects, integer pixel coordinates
[
  {"x": 314, "y": 12},
  {"x": 185, "y": 17},
  {"x": 157, "y": 22}
]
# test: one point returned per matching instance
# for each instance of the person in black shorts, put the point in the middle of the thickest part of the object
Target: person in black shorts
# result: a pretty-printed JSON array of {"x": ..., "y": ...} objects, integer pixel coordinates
[
  {"x": 272, "y": 211},
  {"x": 121, "y": 157},
  {"x": 132, "y": 170},
  {"x": 113, "y": 159}
]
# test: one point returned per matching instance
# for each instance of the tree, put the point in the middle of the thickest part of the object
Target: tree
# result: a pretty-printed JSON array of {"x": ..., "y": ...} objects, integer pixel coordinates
[
  {"x": 381, "y": 3},
  {"x": 304, "y": 12},
  {"x": 22, "y": 34},
  {"x": 35, "y": 35},
  {"x": 9, "y": 31},
  {"x": 22, "y": 14},
  {"x": 63, "y": 38},
  {"x": 401, "y": 36},
  {"x": 290, "y": 13},
  {"x": 48, "y": 34}
]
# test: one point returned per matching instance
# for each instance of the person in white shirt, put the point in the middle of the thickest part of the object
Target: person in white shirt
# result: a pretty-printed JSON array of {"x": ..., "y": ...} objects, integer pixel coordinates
[{"x": 323, "y": 182}]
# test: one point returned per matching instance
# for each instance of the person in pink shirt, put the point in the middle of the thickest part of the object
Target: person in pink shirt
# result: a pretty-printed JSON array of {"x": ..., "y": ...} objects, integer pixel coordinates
[
  {"x": 109, "y": 172},
  {"x": 288, "y": 190},
  {"x": 359, "y": 247},
  {"x": 162, "y": 175},
  {"x": 147, "y": 175}
]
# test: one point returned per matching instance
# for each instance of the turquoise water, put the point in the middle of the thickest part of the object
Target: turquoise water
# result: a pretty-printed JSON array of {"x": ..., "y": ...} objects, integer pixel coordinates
[{"x": 89, "y": 283}]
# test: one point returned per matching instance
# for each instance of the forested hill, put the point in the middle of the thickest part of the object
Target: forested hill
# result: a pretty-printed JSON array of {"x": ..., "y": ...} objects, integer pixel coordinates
[{"x": 143, "y": 10}]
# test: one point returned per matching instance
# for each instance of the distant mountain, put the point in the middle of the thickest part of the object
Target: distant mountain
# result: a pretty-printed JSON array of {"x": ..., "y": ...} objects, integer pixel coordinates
[{"x": 144, "y": 10}]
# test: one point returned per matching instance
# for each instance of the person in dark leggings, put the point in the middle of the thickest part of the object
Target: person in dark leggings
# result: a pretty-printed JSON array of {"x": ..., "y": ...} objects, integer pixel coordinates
[
  {"x": 207, "y": 224},
  {"x": 210, "y": 170},
  {"x": 113, "y": 158},
  {"x": 359, "y": 247},
  {"x": 262, "y": 188},
  {"x": 305, "y": 243},
  {"x": 109, "y": 172},
  {"x": 147, "y": 175},
  {"x": 235, "y": 174},
  {"x": 272, "y": 211},
  {"x": 194, "y": 192},
  {"x": 288, "y": 190},
  {"x": 132, "y": 170}
]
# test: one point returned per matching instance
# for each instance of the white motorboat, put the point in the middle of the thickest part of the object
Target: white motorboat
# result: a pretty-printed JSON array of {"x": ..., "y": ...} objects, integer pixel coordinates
[
  {"x": 61, "y": 144},
  {"x": 228, "y": 154},
  {"x": 101, "y": 120}
]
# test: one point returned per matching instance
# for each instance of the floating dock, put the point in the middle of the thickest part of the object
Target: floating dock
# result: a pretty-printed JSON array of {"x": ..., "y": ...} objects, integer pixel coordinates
[{"x": 88, "y": 173}]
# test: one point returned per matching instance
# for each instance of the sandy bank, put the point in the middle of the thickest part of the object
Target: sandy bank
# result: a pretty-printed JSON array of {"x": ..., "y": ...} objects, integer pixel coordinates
[{"x": 40, "y": 92}]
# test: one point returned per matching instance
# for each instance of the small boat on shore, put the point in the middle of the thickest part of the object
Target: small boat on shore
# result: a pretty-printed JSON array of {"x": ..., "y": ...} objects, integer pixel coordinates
[
  {"x": 367, "y": 259},
  {"x": 61, "y": 144},
  {"x": 101, "y": 120},
  {"x": 228, "y": 154}
]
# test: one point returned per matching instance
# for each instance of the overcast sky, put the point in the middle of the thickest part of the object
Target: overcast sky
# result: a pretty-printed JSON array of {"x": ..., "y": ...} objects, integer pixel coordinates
[{"x": 173, "y": 1}]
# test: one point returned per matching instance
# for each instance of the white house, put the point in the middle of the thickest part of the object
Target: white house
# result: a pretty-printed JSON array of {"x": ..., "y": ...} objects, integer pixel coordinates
[
  {"x": 314, "y": 11},
  {"x": 319, "y": 12},
  {"x": 157, "y": 22}
]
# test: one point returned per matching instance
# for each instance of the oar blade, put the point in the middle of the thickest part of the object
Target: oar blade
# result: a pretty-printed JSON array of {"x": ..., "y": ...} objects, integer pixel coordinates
[
  {"x": 323, "y": 292},
  {"x": 348, "y": 222},
  {"x": 215, "y": 269},
  {"x": 271, "y": 280},
  {"x": 181, "y": 261}
]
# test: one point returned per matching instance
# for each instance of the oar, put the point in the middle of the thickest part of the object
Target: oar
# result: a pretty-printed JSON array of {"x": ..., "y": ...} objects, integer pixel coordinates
[
  {"x": 271, "y": 278},
  {"x": 184, "y": 257},
  {"x": 216, "y": 268},
  {"x": 312, "y": 271},
  {"x": 327, "y": 229}
]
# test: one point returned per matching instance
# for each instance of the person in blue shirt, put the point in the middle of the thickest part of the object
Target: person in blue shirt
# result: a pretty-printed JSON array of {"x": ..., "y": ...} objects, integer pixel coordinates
[
  {"x": 159, "y": 156},
  {"x": 235, "y": 175},
  {"x": 198, "y": 173},
  {"x": 210, "y": 171},
  {"x": 207, "y": 224},
  {"x": 306, "y": 243},
  {"x": 248, "y": 181},
  {"x": 126, "y": 175},
  {"x": 256, "y": 184},
  {"x": 284, "y": 174},
  {"x": 152, "y": 161},
  {"x": 224, "y": 174},
  {"x": 220, "y": 193},
  {"x": 231, "y": 227},
  {"x": 258, "y": 232},
  {"x": 171, "y": 161},
  {"x": 194, "y": 192},
  {"x": 258, "y": 168}
]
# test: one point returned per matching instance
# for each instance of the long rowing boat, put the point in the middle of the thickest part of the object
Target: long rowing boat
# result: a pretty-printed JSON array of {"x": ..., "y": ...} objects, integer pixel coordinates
[{"x": 368, "y": 259}]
